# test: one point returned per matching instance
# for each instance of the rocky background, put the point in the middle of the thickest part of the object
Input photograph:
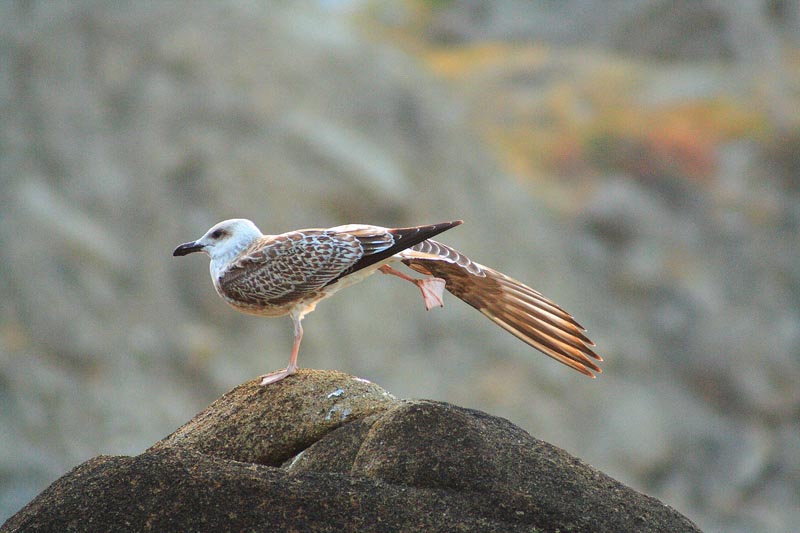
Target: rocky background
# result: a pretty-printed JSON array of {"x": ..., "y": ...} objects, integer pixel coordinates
[{"x": 636, "y": 161}]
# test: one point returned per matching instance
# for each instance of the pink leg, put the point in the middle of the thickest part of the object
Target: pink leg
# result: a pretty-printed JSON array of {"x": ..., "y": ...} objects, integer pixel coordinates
[
  {"x": 432, "y": 288},
  {"x": 292, "y": 368}
]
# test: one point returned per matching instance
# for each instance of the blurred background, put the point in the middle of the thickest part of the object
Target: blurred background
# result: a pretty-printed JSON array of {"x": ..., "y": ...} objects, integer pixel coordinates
[{"x": 636, "y": 161}]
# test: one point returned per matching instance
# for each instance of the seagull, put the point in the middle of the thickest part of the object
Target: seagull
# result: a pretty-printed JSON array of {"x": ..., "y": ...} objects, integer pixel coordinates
[{"x": 290, "y": 273}]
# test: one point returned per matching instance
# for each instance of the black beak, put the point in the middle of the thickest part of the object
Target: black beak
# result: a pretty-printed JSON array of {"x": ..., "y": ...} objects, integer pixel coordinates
[{"x": 187, "y": 248}]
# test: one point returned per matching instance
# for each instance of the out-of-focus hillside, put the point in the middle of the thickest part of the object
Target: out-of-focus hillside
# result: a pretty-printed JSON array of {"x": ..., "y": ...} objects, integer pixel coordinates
[{"x": 649, "y": 186}]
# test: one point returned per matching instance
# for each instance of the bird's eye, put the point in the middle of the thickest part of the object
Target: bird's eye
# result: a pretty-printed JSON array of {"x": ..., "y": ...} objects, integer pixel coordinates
[{"x": 217, "y": 233}]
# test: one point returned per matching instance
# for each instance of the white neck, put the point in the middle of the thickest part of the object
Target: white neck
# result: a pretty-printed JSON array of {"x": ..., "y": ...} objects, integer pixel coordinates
[{"x": 221, "y": 259}]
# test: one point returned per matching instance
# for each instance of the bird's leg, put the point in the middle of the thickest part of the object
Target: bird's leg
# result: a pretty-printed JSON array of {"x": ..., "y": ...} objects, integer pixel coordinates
[
  {"x": 292, "y": 368},
  {"x": 432, "y": 288}
]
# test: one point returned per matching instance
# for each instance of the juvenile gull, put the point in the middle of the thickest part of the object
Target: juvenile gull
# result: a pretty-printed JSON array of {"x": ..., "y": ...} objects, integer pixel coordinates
[{"x": 289, "y": 274}]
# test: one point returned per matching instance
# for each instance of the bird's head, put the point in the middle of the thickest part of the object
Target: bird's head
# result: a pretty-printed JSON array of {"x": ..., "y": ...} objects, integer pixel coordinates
[{"x": 223, "y": 241}]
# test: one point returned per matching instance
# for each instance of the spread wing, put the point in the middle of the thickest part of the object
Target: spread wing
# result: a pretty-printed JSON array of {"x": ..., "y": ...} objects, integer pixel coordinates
[{"x": 515, "y": 307}]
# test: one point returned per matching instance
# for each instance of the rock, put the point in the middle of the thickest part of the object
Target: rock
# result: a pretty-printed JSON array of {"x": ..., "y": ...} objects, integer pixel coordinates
[
  {"x": 270, "y": 425},
  {"x": 326, "y": 451}
]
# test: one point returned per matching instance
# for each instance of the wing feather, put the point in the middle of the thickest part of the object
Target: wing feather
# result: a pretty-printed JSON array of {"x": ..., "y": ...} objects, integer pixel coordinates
[
  {"x": 515, "y": 307},
  {"x": 280, "y": 269},
  {"x": 381, "y": 243}
]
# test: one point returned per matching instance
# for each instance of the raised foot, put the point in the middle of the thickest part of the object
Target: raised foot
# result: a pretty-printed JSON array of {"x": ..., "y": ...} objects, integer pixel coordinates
[
  {"x": 432, "y": 291},
  {"x": 432, "y": 288},
  {"x": 274, "y": 377}
]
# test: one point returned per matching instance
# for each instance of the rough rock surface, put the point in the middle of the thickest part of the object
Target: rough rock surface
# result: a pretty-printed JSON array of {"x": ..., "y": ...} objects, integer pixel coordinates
[{"x": 326, "y": 451}]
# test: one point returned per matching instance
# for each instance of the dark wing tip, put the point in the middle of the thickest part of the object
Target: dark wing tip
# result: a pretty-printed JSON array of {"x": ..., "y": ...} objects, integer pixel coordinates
[{"x": 438, "y": 228}]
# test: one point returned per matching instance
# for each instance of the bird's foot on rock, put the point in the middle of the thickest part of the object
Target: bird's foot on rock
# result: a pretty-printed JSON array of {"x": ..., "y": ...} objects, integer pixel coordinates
[{"x": 273, "y": 377}]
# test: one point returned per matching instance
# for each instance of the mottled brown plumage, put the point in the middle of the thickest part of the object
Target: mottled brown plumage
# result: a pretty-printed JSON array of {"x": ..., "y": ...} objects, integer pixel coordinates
[
  {"x": 288, "y": 274},
  {"x": 274, "y": 272},
  {"x": 279, "y": 272}
]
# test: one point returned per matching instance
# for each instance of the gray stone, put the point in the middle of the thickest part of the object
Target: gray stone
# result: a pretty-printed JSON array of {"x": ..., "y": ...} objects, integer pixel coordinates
[{"x": 325, "y": 451}]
